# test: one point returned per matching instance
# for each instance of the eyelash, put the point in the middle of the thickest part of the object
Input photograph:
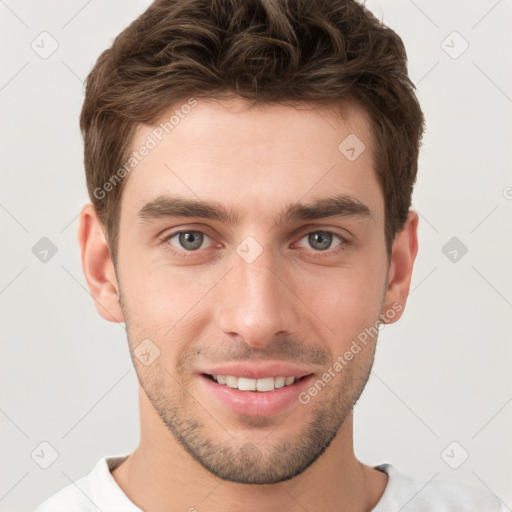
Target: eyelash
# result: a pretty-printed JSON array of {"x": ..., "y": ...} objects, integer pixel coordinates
[{"x": 344, "y": 243}]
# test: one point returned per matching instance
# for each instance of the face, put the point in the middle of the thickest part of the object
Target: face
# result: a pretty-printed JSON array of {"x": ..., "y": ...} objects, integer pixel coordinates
[{"x": 271, "y": 275}]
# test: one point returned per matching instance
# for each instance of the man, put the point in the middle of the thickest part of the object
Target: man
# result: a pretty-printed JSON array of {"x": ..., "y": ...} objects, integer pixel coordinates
[{"x": 250, "y": 166}]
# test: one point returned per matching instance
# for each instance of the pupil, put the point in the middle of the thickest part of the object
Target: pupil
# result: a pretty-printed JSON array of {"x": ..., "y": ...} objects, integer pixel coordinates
[
  {"x": 320, "y": 240},
  {"x": 187, "y": 240}
]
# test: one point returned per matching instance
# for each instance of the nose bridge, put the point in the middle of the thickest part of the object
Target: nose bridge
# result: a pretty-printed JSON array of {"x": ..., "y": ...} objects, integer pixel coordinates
[{"x": 255, "y": 303}]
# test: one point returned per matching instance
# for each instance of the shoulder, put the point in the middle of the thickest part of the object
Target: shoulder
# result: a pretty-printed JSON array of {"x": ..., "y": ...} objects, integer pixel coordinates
[
  {"x": 95, "y": 491},
  {"x": 409, "y": 494},
  {"x": 72, "y": 498}
]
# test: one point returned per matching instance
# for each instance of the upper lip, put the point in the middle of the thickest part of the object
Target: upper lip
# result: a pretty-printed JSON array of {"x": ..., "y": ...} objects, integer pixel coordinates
[{"x": 258, "y": 371}]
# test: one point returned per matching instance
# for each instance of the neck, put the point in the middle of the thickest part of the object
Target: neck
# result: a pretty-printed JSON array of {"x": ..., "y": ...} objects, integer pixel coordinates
[{"x": 160, "y": 473}]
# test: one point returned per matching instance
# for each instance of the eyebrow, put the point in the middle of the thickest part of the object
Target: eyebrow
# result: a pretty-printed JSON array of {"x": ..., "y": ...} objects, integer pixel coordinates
[{"x": 176, "y": 206}]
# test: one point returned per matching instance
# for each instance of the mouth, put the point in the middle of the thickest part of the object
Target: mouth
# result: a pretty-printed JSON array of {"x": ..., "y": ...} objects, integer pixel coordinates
[
  {"x": 254, "y": 396},
  {"x": 263, "y": 384}
]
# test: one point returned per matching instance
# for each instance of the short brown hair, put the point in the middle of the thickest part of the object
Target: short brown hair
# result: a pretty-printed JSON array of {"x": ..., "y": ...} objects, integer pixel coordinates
[{"x": 261, "y": 50}]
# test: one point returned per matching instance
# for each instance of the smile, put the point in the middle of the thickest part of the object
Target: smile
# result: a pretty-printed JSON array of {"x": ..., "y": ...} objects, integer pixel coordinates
[
  {"x": 265, "y": 396},
  {"x": 245, "y": 384}
]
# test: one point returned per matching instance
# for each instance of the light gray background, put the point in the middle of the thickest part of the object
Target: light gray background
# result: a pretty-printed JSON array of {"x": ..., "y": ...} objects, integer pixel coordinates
[{"x": 442, "y": 374}]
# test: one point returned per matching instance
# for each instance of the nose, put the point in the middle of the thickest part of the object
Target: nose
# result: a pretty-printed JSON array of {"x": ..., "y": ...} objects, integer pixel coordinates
[{"x": 257, "y": 301}]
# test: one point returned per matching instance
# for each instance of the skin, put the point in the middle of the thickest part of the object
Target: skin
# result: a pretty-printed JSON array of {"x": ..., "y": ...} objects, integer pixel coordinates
[{"x": 214, "y": 306}]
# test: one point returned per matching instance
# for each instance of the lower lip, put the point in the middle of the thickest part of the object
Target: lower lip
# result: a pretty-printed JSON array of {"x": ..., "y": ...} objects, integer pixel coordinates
[{"x": 256, "y": 403}]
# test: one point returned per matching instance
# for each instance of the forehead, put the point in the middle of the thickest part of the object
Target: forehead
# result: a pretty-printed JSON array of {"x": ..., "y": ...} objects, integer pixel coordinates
[{"x": 222, "y": 150}]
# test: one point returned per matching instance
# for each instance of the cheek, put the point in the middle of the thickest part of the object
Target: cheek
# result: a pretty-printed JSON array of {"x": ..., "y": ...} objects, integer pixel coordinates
[
  {"x": 348, "y": 300},
  {"x": 159, "y": 289},
  {"x": 166, "y": 304}
]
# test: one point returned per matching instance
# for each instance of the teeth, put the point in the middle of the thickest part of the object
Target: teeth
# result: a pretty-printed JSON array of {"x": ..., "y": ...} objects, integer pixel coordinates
[
  {"x": 266, "y": 384},
  {"x": 231, "y": 381},
  {"x": 279, "y": 382},
  {"x": 245, "y": 384}
]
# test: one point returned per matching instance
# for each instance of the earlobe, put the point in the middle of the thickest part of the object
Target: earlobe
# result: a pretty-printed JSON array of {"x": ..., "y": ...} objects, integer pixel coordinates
[
  {"x": 98, "y": 266},
  {"x": 404, "y": 251}
]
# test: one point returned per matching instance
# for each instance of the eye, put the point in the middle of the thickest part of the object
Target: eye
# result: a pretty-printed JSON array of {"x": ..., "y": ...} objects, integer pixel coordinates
[
  {"x": 188, "y": 240},
  {"x": 321, "y": 240}
]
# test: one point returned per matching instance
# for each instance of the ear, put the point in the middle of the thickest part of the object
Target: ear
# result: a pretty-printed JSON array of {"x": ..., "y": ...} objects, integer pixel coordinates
[
  {"x": 98, "y": 266},
  {"x": 403, "y": 254}
]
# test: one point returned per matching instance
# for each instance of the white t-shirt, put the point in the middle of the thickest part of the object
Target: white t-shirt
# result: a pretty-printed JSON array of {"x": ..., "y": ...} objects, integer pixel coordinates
[{"x": 99, "y": 491}]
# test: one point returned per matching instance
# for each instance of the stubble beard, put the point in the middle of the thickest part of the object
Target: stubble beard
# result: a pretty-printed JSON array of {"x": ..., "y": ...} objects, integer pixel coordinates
[{"x": 243, "y": 461}]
